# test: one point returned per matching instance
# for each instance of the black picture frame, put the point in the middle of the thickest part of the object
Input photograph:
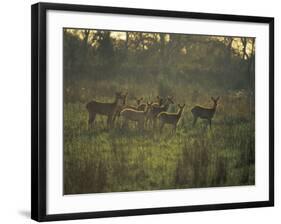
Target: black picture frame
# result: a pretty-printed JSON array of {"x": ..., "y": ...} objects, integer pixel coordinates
[{"x": 39, "y": 122}]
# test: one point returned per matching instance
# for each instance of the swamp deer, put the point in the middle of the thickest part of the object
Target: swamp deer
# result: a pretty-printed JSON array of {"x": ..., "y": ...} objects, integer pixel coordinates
[
  {"x": 159, "y": 101},
  {"x": 155, "y": 110},
  {"x": 106, "y": 109},
  {"x": 120, "y": 107},
  {"x": 136, "y": 115},
  {"x": 170, "y": 118},
  {"x": 141, "y": 106},
  {"x": 205, "y": 113}
]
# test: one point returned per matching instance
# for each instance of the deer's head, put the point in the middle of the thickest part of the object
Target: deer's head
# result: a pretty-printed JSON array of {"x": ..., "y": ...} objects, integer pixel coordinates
[
  {"x": 169, "y": 100},
  {"x": 215, "y": 100},
  {"x": 139, "y": 100},
  {"x": 124, "y": 97},
  {"x": 119, "y": 98}
]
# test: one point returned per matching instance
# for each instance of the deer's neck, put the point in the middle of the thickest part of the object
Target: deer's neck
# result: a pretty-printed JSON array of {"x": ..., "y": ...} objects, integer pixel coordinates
[
  {"x": 166, "y": 106},
  {"x": 214, "y": 108},
  {"x": 179, "y": 113},
  {"x": 116, "y": 102}
]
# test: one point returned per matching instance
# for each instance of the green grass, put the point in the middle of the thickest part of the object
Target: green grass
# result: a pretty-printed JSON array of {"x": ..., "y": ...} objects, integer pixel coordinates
[{"x": 115, "y": 160}]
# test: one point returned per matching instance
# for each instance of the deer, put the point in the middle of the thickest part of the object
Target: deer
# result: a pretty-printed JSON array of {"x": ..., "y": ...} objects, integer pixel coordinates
[
  {"x": 136, "y": 115},
  {"x": 106, "y": 109},
  {"x": 140, "y": 106},
  {"x": 170, "y": 118},
  {"x": 159, "y": 101},
  {"x": 120, "y": 107},
  {"x": 155, "y": 110},
  {"x": 205, "y": 113}
]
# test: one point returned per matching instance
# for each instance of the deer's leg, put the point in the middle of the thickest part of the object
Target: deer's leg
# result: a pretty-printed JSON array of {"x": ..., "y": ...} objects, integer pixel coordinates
[
  {"x": 91, "y": 120},
  {"x": 115, "y": 119},
  {"x": 109, "y": 121},
  {"x": 141, "y": 125},
  {"x": 116, "y": 116},
  {"x": 194, "y": 120},
  {"x": 161, "y": 126},
  {"x": 125, "y": 123},
  {"x": 210, "y": 123},
  {"x": 154, "y": 121},
  {"x": 146, "y": 122},
  {"x": 175, "y": 128}
]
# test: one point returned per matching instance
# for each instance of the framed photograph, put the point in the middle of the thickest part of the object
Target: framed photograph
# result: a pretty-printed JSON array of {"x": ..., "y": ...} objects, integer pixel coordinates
[{"x": 139, "y": 111}]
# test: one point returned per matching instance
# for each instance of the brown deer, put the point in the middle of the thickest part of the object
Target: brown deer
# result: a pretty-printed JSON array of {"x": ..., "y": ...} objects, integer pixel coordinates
[
  {"x": 159, "y": 101},
  {"x": 136, "y": 115},
  {"x": 170, "y": 118},
  {"x": 205, "y": 113},
  {"x": 140, "y": 106},
  {"x": 155, "y": 110},
  {"x": 120, "y": 107},
  {"x": 106, "y": 109}
]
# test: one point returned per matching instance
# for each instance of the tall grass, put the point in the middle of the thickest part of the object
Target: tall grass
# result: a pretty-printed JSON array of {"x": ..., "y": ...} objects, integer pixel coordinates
[{"x": 115, "y": 160}]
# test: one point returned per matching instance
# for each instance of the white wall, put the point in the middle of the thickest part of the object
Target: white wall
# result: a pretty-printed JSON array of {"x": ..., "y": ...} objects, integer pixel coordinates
[{"x": 15, "y": 110}]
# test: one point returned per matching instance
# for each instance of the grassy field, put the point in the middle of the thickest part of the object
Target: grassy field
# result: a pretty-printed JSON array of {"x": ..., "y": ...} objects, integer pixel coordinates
[{"x": 115, "y": 160}]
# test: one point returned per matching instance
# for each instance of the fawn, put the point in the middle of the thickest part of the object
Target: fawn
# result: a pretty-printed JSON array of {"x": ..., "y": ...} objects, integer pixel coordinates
[
  {"x": 120, "y": 107},
  {"x": 140, "y": 106},
  {"x": 155, "y": 110},
  {"x": 170, "y": 118},
  {"x": 205, "y": 113},
  {"x": 136, "y": 115},
  {"x": 107, "y": 109},
  {"x": 159, "y": 101}
]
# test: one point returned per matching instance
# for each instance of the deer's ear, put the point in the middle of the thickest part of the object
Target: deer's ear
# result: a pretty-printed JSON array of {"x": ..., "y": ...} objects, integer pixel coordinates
[
  {"x": 141, "y": 98},
  {"x": 213, "y": 98},
  {"x": 218, "y": 98}
]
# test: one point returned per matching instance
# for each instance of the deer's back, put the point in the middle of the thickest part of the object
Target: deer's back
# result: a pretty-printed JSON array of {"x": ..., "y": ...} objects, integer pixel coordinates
[
  {"x": 132, "y": 114},
  {"x": 100, "y": 107},
  {"x": 156, "y": 110},
  {"x": 166, "y": 117},
  {"x": 141, "y": 107},
  {"x": 202, "y": 112}
]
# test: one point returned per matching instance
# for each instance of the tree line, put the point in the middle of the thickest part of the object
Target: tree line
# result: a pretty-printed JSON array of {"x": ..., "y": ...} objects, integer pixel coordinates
[{"x": 194, "y": 60}]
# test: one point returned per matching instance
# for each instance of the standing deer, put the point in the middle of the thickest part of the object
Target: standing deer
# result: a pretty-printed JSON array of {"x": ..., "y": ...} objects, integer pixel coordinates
[
  {"x": 155, "y": 110},
  {"x": 205, "y": 113},
  {"x": 159, "y": 101},
  {"x": 106, "y": 109},
  {"x": 136, "y": 115},
  {"x": 119, "y": 108},
  {"x": 140, "y": 106},
  {"x": 170, "y": 118}
]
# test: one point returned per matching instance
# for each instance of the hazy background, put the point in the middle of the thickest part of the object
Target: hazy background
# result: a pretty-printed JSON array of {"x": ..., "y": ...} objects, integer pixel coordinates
[{"x": 161, "y": 62}]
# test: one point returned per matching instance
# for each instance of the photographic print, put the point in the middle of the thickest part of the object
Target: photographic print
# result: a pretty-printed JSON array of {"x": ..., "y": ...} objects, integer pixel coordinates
[
  {"x": 147, "y": 111},
  {"x": 140, "y": 111}
]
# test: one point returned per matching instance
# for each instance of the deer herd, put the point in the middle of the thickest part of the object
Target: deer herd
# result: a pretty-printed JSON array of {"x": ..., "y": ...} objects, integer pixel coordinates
[{"x": 147, "y": 114}]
